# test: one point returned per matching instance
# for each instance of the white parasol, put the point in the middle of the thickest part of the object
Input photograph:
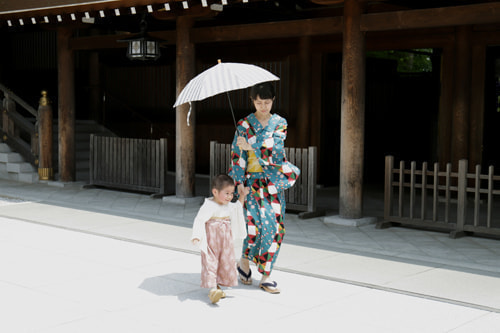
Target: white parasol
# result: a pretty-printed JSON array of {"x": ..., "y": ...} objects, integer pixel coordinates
[{"x": 223, "y": 77}]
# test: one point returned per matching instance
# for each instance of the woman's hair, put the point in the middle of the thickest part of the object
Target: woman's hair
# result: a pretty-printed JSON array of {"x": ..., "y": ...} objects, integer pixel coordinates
[
  {"x": 264, "y": 90},
  {"x": 221, "y": 181}
]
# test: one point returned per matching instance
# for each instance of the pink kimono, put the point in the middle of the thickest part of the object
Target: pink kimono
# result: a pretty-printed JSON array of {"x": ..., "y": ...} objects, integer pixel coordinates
[{"x": 216, "y": 226}]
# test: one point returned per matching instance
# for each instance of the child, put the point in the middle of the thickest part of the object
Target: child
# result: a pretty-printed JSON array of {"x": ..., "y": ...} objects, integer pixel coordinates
[{"x": 215, "y": 225}]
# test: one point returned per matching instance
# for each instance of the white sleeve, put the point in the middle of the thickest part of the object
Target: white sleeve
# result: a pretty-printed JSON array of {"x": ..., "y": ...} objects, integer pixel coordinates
[
  {"x": 238, "y": 221},
  {"x": 204, "y": 214}
]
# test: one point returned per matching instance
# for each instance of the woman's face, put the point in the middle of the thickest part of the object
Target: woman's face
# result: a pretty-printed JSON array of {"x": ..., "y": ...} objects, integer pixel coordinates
[{"x": 263, "y": 106}]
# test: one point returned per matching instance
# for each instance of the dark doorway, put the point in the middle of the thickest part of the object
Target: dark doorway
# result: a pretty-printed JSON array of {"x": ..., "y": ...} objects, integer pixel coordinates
[{"x": 491, "y": 135}]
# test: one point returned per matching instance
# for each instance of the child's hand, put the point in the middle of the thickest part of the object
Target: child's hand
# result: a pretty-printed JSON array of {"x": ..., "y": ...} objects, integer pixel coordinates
[
  {"x": 195, "y": 241},
  {"x": 243, "y": 191}
]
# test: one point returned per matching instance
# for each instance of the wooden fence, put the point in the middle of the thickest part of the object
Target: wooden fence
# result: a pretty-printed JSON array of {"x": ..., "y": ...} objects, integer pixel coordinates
[
  {"x": 301, "y": 197},
  {"x": 131, "y": 164},
  {"x": 457, "y": 202}
]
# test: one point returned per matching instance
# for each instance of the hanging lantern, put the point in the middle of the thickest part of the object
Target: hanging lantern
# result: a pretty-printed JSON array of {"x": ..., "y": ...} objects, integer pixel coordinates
[{"x": 142, "y": 46}]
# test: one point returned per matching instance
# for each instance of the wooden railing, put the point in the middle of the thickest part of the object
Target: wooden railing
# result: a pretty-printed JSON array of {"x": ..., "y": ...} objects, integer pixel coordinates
[
  {"x": 17, "y": 131},
  {"x": 301, "y": 197},
  {"x": 456, "y": 202},
  {"x": 131, "y": 164}
]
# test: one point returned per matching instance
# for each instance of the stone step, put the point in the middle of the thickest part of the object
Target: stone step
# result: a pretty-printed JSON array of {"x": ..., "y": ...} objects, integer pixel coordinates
[
  {"x": 20, "y": 167},
  {"x": 4, "y": 148},
  {"x": 12, "y": 165},
  {"x": 31, "y": 177},
  {"x": 11, "y": 157}
]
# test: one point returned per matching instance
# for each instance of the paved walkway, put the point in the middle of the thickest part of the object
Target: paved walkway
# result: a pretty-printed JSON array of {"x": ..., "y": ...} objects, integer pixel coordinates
[{"x": 120, "y": 261}]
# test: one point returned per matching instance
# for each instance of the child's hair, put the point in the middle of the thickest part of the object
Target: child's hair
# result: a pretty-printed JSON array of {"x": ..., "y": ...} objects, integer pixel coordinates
[
  {"x": 264, "y": 90},
  {"x": 221, "y": 181}
]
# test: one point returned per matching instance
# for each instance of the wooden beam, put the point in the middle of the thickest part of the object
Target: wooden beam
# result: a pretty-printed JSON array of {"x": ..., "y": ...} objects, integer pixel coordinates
[
  {"x": 289, "y": 29},
  {"x": 31, "y": 8},
  {"x": 111, "y": 41},
  {"x": 270, "y": 30},
  {"x": 435, "y": 17}
]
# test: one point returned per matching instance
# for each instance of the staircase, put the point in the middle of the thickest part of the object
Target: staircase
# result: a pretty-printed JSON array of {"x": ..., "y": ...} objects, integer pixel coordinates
[
  {"x": 83, "y": 129},
  {"x": 13, "y": 166}
]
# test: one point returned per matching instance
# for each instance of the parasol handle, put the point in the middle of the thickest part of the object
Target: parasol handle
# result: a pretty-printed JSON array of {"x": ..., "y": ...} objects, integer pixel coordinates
[{"x": 232, "y": 112}]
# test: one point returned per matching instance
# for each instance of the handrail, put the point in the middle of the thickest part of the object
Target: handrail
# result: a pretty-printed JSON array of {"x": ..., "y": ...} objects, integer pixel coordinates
[
  {"x": 18, "y": 100},
  {"x": 22, "y": 122},
  {"x": 16, "y": 130}
]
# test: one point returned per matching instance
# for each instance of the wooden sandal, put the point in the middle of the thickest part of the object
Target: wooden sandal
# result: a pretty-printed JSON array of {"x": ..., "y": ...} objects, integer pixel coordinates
[
  {"x": 270, "y": 287},
  {"x": 245, "y": 278}
]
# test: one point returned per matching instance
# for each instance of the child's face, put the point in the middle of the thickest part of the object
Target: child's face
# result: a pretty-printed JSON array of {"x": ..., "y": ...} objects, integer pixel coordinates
[{"x": 224, "y": 196}]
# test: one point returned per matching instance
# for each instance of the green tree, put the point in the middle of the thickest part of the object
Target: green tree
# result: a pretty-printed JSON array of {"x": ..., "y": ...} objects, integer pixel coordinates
[{"x": 409, "y": 61}]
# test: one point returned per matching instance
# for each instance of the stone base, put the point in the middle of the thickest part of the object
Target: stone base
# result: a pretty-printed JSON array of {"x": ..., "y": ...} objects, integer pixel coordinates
[
  {"x": 336, "y": 219},
  {"x": 182, "y": 201},
  {"x": 57, "y": 183}
]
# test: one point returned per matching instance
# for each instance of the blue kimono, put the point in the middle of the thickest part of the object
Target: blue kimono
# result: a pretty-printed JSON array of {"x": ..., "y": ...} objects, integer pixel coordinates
[{"x": 263, "y": 171}]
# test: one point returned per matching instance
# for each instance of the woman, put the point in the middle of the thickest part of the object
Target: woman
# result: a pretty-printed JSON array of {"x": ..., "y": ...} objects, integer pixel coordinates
[{"x": 257, "y": 160}]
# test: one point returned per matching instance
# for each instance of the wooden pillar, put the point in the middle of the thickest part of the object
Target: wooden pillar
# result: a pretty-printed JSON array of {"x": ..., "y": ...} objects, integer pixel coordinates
[
  {"x": 303, "y": 97},
  {"x": 184, "y": 136},
  {"x": 446, "y": 106},
  {"x": 45, "y": 169},
  {"x": 66, "y": 109},
  {"x": 461, "y": 103},
  {"x": 478, "y": 72},
  {"x": 352, "y": 113}
]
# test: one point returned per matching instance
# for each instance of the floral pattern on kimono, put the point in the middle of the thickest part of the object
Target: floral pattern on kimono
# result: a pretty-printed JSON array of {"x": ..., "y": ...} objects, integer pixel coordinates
[{"x": 265, "y": 204}]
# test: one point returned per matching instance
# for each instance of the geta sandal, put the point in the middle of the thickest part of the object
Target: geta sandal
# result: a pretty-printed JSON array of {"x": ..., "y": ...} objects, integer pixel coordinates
[
  {"x": 245, "y": 278},
  {"x": 270, "y": 287}
]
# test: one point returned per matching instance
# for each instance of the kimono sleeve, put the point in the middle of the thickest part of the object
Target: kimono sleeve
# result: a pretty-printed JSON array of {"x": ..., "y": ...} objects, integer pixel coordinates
[
  {"x": 238, "y": 159},
  {"x": 271, "y": 151},
  {"x": 204, "y": 214},
  {"x": 238, "y": 221}
]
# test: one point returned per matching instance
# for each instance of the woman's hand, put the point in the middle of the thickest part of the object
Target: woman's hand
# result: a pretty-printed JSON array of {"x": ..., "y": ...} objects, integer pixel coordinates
[{"x": 243, "y": 144}]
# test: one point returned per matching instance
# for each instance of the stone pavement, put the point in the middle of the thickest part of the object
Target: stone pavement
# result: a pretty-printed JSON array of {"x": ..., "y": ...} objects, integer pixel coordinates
[{"x": 119, "y": 261}]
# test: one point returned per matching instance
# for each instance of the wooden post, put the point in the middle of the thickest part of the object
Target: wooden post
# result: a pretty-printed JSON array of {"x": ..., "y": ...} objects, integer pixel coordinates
[
  {"x": 461, "y": 199},
  {"x": 445, "y": 106},
  {"x": 66, "y": 110},
  {"x": 184, "y": 135},
  {"x": 461, "y": 105},
  {"x": 303, "y": 96},
  {"x": 45, "y": 170},
  {"x": 8, "y": 124},
  {"x": 352, "y": 113},
  {"x": 478, "y": 72}
]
